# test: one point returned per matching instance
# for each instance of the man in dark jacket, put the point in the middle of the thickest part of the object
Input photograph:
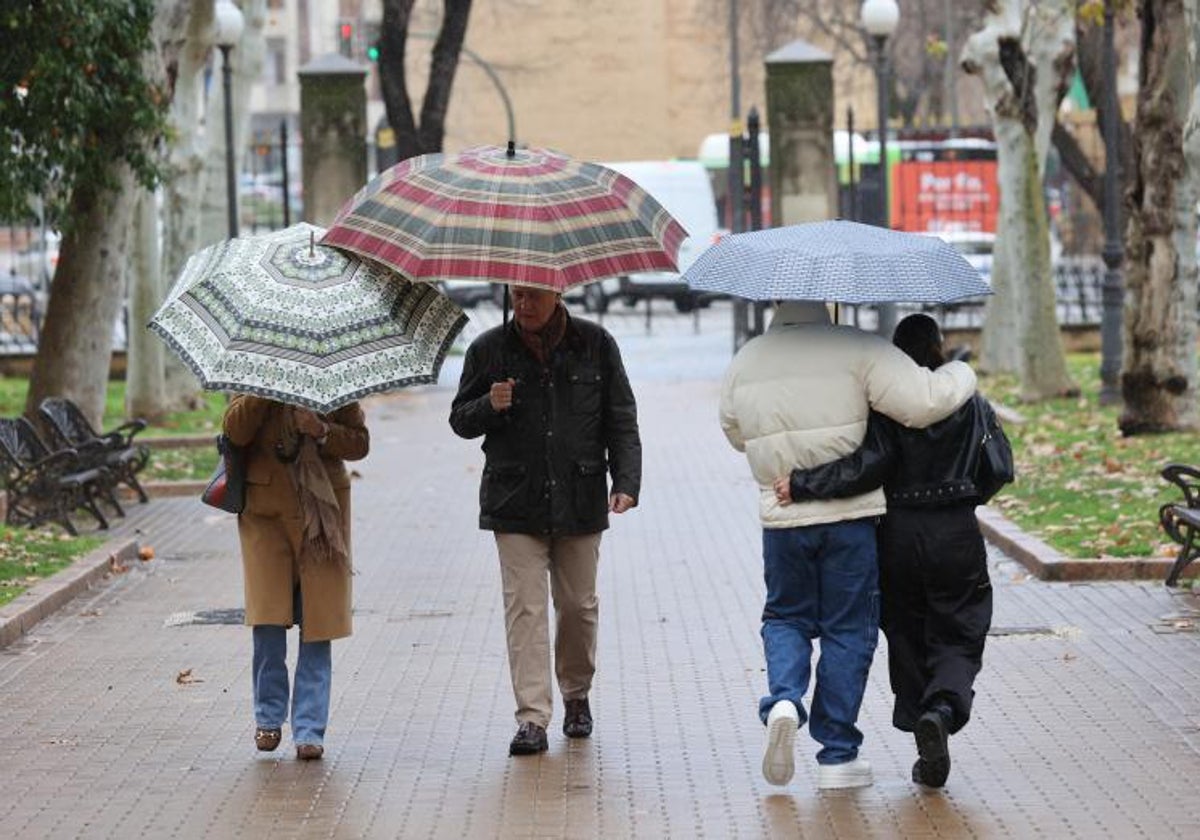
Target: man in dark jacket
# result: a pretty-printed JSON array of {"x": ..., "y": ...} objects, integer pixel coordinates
[{"x": 550, "y": 397}]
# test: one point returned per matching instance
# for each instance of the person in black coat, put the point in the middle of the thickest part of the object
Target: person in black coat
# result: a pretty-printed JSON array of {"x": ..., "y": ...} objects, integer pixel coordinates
[
  {"x": 933, "y": 578},
  {"x": 549, "y": 395}
]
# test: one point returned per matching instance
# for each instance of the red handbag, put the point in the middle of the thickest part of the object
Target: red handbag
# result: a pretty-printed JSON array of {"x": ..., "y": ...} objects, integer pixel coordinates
[{"x": 226, "y": 490}]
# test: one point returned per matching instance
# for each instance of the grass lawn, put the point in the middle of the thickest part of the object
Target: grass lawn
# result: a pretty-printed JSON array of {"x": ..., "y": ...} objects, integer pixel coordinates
[
  {"x": 28, "y": 555},
  {"x": 1082, "y": 487}
]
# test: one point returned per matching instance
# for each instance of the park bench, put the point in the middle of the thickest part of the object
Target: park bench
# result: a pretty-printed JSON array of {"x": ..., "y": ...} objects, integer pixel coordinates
[
  {"x": 1181, "y": 520},
  {"x": 114, "y": 449},
  {"x": 46, "y": 486}
]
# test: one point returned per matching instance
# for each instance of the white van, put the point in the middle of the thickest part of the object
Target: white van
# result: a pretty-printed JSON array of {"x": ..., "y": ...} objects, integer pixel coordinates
[{"x": 681, "y": 186}]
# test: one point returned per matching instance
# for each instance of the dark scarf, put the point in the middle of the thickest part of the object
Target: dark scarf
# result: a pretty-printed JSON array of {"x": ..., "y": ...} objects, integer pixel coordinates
[{"x": 542, "y": 342}]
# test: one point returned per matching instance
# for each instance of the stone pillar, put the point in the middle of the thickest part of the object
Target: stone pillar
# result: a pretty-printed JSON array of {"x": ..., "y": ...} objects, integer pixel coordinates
[
  {"x": 333, "y": 128},
  {"x": 800, "y": 121}
]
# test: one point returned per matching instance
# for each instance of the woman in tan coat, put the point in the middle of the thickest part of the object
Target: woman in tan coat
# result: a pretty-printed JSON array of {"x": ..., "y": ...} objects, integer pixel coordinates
[{"x": 295, "y": 536}]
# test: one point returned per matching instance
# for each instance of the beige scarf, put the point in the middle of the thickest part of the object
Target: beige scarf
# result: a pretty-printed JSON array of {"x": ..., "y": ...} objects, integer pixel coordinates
[{"x": 322, "y": 540}]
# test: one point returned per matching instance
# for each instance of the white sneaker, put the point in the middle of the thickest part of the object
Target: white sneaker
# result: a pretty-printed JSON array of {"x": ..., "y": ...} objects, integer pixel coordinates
[
  {"x": 850, "y": 774},
  {"x": 779, "y": 761}
]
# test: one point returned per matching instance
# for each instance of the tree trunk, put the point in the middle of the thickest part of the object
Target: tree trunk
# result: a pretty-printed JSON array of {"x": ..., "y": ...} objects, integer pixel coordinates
[
  {"x": 75, "y": 347},
  {"x": 145, "y": 360},
  {"x": 1158, "y": 375},
  {"x": 182, "y": 193},
  {"x": 393, "y": 85},
  {"x": 442, "y": 67},
  {"x": 144, "y": 355},
  {"x": 1020, "y": 333},
  {"x": 413, "y": 139}
]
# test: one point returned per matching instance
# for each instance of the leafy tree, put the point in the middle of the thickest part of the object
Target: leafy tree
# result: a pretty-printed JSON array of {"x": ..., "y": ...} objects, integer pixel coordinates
[
  {"x": 413, "y": 137},
  {"x": 81, "y": 108},
  {"x": 74, "y": 99}
]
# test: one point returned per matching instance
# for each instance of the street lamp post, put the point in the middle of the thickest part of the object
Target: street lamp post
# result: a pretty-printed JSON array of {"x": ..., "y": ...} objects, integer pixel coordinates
[
  {"x": 1112, "y": 293},
  {"x": 227, "y": 25},
  {"x": 735, "y": 183},
  {"x": 879, "y": 20}
]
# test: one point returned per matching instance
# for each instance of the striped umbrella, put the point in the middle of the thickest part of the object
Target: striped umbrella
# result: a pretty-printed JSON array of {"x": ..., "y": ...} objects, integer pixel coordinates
[
  {"x": 839, "y": 261},
  {"x": 528, "y": 217},
  {"x": 279, "y": 316}
]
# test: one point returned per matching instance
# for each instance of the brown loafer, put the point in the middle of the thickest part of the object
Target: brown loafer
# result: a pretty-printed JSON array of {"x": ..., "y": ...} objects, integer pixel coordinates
[
  {"x": 267, "y": 739},
  {"x": 309, "y": 752}
]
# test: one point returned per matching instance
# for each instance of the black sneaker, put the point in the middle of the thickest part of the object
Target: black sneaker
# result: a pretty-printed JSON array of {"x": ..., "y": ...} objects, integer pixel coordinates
[
  {"x": 577, "y": 718},
  {"x": 932, "y": 736},
  {"x": 529, "y": 740}
]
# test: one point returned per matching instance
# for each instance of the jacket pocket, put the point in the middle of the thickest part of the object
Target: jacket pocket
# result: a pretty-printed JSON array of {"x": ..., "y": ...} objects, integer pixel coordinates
[
  {"x": 586, "y": 386},
  {"x": 504, "y": 491},
  {"x": 591, "y": 489}
]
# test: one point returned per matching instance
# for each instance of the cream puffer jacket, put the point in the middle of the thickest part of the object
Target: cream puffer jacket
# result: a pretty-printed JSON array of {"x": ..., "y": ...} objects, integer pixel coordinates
[{"x": 799, "y": 395}]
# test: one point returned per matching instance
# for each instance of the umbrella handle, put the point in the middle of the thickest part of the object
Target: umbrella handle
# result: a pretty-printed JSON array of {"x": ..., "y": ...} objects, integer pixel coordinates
[{"x": 505, "y": 305}]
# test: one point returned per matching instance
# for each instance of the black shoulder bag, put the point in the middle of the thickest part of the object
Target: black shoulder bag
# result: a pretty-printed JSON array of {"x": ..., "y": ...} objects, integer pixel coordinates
[{"x": 994, "y": 467}]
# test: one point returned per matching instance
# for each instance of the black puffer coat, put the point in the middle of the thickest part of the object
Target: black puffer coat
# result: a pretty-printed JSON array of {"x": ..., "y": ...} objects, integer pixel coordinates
[
  {"x": 931, "y": 467},
  {"x": 571, "y": 422}
]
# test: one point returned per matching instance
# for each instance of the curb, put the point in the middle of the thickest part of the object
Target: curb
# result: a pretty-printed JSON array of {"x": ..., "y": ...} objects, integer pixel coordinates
[
  {"x": 52, "y": 593},
  {"x": 1046, "y": 563},
  {"x": 160, "y": 489}
]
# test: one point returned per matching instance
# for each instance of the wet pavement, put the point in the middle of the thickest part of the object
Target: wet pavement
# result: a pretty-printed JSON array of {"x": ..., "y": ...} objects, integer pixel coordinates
[{"x": 127, "y": 713}]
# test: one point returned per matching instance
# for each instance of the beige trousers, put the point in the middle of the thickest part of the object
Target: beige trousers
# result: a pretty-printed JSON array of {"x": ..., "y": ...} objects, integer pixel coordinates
[{"x": 569, "y": 564}]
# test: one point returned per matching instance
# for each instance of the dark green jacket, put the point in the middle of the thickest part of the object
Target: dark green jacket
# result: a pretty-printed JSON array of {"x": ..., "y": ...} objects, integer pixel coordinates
[{"x": 571, "y": 423}]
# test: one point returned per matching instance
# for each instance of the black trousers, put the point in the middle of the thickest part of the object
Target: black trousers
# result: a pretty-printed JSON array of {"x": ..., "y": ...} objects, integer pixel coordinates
[{"x": 936, "y": 609}]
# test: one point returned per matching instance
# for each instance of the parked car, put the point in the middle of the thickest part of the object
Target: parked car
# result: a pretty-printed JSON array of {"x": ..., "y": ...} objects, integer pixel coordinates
[
  {"x": 975, "y": 246},
  {"x": 683, "y": 188}
]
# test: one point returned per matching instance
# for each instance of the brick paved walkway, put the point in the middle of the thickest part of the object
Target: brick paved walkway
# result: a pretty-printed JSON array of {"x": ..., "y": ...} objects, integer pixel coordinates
[{"x": 1087, "y": 720}]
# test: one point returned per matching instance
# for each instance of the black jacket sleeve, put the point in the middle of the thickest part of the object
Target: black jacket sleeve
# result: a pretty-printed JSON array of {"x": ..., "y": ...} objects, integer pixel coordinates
[
  {"x": 864, "y": 469},
  {"x": 471, "y": 413},
  {"x": 621, "y": 428}
]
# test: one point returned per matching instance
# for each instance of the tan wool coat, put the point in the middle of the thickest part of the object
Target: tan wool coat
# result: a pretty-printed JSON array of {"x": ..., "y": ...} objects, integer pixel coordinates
[{"x": 270, "y": 526}]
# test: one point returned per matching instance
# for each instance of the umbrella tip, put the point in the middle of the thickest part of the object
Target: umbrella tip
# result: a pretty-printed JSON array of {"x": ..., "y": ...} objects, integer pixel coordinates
[
  {"x": 312, "y": 242},
  {"x": 512, "y": 149}
]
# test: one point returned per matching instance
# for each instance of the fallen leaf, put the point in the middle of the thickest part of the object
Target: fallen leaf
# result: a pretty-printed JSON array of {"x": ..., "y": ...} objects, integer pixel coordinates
[
  {"x": 185, "y": 677},
  {"x": 146, "y": 552},
  {"x": 116, "y": 566}
]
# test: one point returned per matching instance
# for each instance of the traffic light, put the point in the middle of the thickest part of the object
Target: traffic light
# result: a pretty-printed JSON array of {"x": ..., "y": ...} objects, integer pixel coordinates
[
  {"x": 373, "y": 52},
  {"x": 346, "y": 39}
]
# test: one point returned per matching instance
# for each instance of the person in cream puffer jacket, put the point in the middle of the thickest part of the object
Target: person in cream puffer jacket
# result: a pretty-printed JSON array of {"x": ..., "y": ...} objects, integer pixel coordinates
[{"x": 800, "y": 395}]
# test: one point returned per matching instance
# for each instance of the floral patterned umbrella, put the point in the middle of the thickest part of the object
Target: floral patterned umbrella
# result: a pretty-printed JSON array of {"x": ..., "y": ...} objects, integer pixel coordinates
[
  {"x": 282, "y": 317},
  {"x": 526, "y": 217}
]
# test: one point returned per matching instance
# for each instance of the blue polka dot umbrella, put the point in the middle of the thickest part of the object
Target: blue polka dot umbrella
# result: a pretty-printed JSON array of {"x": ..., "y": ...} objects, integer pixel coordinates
[
  {"x": 836, "y": 261},
  {"x": 282, "y": 317}
]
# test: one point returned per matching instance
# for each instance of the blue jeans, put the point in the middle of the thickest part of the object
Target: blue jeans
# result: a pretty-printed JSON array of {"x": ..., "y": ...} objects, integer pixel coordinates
[
  {"x": 314, "y": 671},
  {"x": 822, "y": 582}
]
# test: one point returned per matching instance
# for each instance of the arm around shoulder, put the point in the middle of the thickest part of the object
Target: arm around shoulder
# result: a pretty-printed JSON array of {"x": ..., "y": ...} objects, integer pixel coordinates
[{"x": 915, "y": 396}]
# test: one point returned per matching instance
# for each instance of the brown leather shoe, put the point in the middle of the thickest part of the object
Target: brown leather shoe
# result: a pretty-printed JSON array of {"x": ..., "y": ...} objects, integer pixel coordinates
[
  {"x": 309, "y": 752},
  {"x": 529, "y": 740},
  {"x": 577, "y": 718},
  {"x": 267, "y": 739}
]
